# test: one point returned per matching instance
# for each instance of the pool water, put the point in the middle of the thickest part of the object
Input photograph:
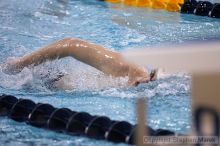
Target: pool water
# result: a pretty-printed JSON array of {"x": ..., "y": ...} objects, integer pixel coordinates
[{"x": 28, "y": 25}]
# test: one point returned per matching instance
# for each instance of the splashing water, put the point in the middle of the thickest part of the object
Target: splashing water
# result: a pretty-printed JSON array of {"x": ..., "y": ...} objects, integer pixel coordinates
[{"x": 26, "y": 26}]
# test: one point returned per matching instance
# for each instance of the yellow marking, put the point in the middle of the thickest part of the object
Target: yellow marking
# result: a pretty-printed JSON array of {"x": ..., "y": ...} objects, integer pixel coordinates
[
  {"x": 173, "y": 5},
  {"x": 144, "y": 3},
  {"x": 170, "y": 5},
  {"x": 158, "y": 4},
  {"x": 114, "y": 1},
  {"x": 130, "y": 2}
]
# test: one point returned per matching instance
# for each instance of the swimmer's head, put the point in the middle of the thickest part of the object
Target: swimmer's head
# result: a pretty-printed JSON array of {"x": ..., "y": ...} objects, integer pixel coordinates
[{"x": 141, "y": 75}]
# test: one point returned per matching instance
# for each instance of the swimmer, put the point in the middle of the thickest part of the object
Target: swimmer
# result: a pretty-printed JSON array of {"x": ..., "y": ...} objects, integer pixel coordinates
[{"x": 108, "y": 61}]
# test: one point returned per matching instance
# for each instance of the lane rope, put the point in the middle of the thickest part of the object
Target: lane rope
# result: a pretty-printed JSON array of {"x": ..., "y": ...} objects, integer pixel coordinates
[
  {"x": 200, "y": 8},
  {"x": 64, "y": 120}
]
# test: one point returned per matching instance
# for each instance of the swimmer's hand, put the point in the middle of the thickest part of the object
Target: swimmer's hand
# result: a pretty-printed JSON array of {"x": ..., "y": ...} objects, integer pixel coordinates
[{"x": 13, "y": 66}]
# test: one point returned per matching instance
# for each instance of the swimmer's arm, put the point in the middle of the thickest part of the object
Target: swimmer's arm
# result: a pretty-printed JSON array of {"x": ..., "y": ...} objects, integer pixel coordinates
[
  {"x": 56, "y": 50},
  {"x": 94, "y": 55},
  {"x": 50, "y": 52}
]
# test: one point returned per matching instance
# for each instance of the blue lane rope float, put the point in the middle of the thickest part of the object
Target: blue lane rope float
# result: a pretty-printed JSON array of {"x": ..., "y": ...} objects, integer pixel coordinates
[
  {"x": 71, "y": 122},
  {"x": 189, "y": 6},
  {"x": 215, "y": 12},
  {"x": 201, "y": 8}
]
